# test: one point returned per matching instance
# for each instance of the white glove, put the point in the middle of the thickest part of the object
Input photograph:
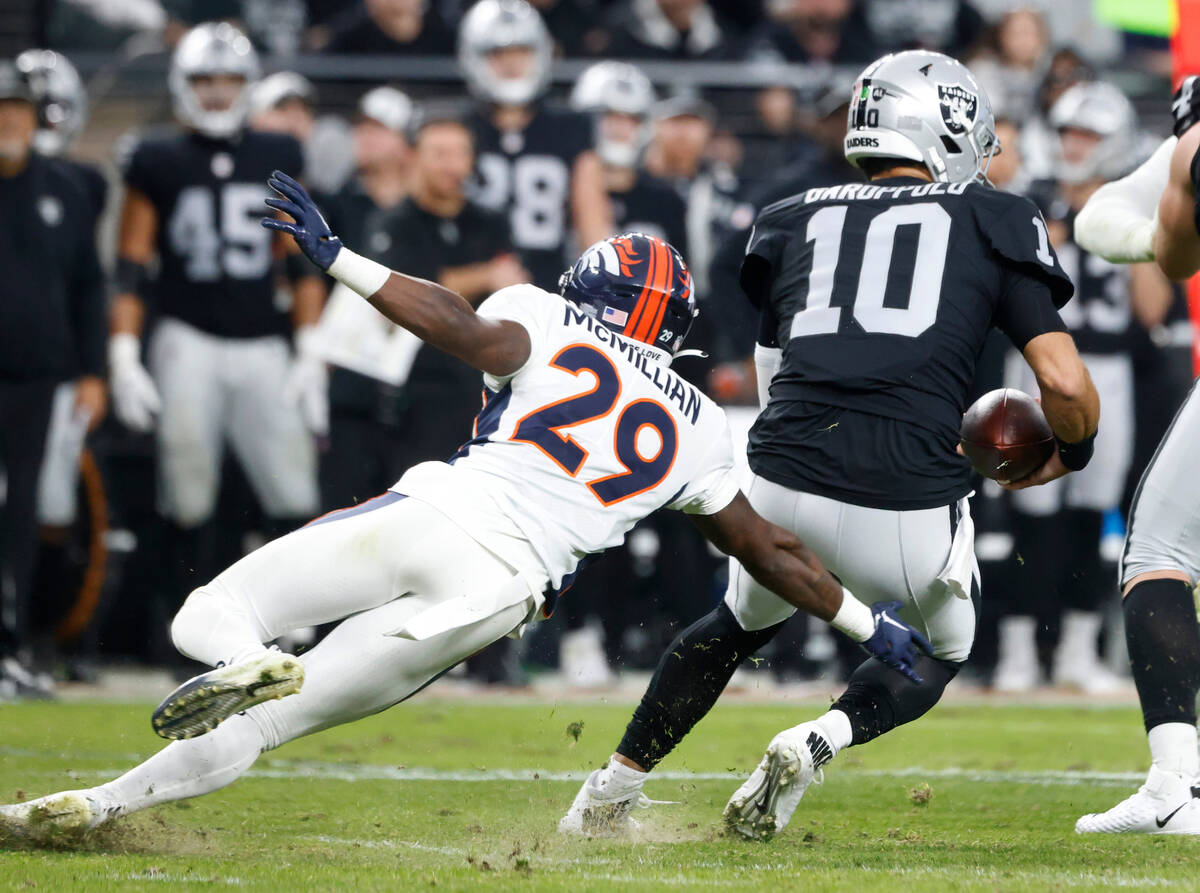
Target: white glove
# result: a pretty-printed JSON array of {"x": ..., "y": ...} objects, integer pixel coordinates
[
  {"x": 307, "y": 384},
  {"x": 134, "y": 395}
]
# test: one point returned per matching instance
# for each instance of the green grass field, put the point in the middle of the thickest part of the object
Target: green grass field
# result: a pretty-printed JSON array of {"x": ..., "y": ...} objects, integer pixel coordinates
[{"x": 458, "y": 794}]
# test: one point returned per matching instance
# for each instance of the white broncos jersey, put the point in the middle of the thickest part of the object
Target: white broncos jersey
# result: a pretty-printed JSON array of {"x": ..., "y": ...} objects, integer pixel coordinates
[{"x": 587, "y": 438}]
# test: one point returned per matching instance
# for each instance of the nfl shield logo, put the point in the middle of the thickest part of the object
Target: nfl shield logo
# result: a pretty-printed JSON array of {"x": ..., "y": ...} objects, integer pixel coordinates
[
  {"x": 50, "y": 209},
  {"x": 958, "y": 107}
]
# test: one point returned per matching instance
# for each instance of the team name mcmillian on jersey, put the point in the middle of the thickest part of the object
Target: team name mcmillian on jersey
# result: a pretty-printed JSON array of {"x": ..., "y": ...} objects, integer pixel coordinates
[
  {"x": 851, "y": 191},
  {"x": 675, "y": 389}
]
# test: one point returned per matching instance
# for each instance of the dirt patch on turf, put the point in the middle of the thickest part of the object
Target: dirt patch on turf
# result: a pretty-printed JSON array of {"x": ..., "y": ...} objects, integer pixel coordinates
[{"x": 129, "y": 835}]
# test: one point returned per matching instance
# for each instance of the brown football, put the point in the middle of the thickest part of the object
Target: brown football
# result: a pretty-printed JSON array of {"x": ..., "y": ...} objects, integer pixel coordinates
[{"x": 1006, "y": 435}]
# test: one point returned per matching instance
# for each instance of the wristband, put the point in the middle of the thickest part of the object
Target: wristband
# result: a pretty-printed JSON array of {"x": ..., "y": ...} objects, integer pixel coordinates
[
  {"x": 853, "y": 618},
  {"x": 124, "y": 349},
  {"x": 1076, "y": 456},
  {"x": 357, "y": 273},
  {"x": 130, "y": 277}
]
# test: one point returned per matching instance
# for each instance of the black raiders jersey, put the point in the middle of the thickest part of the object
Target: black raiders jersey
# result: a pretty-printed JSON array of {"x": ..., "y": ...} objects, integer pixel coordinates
[
  {"x": 652, "y": 206},
  {"x": 216, "y": 261},
  {"x": 1100, "y": 318},
  {"x": 527, "y": 174},
  {"x": 94, "y": 183},
  {"x": 880, "y": 296}
]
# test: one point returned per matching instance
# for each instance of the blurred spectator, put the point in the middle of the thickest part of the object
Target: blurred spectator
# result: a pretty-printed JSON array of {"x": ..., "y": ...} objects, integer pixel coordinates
[
  {"x": 1007, "y": 170},
  {"x": 51, "y": 330},
  {"x": 390, "y": 26},
  {"x": 620, "y": 97},
  {"x": 775, "y": 140},
  {"x": 1060, "y": 71},
  {"x": 1057, "y": 528},
  {"x": 103, "y": 24},
  {"x": 667, "y": 29},
  {"x": 1008, "y": 68},
  {"x": 285, "y": 102},
  {"x": 947, "y": 26},
  {"x": 367, "y": 449},
  {"x": 807, "y": 31},
  {"x": 575, "y": 25},
  {"x": 680, "y": 154},
  {"x": 534, "y": 162}
]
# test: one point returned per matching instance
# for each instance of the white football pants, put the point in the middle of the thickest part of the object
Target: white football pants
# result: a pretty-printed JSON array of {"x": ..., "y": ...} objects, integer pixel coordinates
[
  {"x": 376, "y": 565},
  {"x": 228, "y": 389},
  {"x": 879, "y": 555}
]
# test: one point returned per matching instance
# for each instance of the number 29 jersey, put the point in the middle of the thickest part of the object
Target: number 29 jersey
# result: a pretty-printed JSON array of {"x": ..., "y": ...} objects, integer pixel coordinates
[
  {"x": 216, "y": 265},
  {"x": 880, "y": 296},
  {"x": 581, "y": 443}
]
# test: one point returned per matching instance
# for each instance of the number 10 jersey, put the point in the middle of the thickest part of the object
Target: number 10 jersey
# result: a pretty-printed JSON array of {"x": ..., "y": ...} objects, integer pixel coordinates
[
  {"x": 587, "y": 438},
  {"x": 880, "y": 296}
]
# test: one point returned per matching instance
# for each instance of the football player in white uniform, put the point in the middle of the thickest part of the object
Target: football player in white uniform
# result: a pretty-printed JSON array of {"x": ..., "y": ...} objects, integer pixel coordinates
[
  {"x": 584, "y": 431},
  {"x": 1154, "y": 214}
]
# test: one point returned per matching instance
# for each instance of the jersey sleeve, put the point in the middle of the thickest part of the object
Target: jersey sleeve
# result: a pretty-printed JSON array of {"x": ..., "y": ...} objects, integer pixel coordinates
[
  {"x": 764, "y": 250},
  {"x": 1026, "y": 309},
  {"x": 140, "y": 169},
  {"x": 1017, "y": 232},
  {"x": 531, "y": 308},
  {"x": 715, "y": 484}
]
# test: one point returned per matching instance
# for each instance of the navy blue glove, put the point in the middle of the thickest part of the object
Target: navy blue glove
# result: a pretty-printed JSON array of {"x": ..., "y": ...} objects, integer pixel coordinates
[
  {"x": 310, "y": 230},
  {"x": 894, "y": 642}
]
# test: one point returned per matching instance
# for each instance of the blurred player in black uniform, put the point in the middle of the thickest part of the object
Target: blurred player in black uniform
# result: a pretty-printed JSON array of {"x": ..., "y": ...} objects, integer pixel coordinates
[
  {"x": 607, "y": 600},
  {"x": 221, "y": 368},
  {"x": 620, "y": 97},
  {"x": 534, "y": 162},
  {"x": 876, "y": 299},
  {"x": 51, "y": 330},
  {"x": 1057, "y": 528}
]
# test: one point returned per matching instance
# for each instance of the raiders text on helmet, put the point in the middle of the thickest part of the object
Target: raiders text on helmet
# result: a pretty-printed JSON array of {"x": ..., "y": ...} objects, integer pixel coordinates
[
  {"x": 210, "y": 49},
  {"x": 1102, "y": 109},
  {"x": 493, "y": 25},
  {"x": 636, "y": 285},
  {"x": 60, "y": 97},
  {"x": 923, "y": 107},
  {"x": 619, "y": 88}
]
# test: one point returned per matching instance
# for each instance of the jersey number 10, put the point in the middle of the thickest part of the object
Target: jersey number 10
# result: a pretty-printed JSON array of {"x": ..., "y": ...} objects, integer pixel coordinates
[{"x": 821, "y": 317}]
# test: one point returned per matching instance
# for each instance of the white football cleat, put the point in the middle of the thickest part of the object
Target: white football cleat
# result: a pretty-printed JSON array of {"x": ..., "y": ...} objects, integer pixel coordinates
[
  {"x": 763, "y": 805},
  {"x": 1165, "y": 804},
  {"x": 602, "y": 808},
  {"x": 205, "y": 701},
  {"x": 65, "y": 811}
]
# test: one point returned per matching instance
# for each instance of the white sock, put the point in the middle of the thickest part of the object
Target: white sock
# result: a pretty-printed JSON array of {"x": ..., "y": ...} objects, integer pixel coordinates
[
  {"x": 836, "y": 726},
  {"x": 213, "y": 627},
  {"x": 1077, "y": 640},
  {"x": 619, "y": 777},
  {"x": 1173, "y": 748},
  {"x": 185, "y": 769}
]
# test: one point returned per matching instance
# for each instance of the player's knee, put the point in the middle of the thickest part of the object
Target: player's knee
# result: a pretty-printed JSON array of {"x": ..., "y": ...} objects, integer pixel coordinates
[
  {"x": 202, "y": 611},
  {"x": 1133, "y": 577}
]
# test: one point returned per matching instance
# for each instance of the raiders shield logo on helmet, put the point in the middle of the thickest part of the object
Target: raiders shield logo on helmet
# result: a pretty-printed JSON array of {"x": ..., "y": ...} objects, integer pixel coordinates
[{"x": 958, "y": 108}]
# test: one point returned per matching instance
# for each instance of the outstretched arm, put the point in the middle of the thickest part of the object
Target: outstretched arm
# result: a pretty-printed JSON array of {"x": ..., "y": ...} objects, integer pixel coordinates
[
  {"x": 781, "y": 562},
  {"x": 436, "y": 315}
]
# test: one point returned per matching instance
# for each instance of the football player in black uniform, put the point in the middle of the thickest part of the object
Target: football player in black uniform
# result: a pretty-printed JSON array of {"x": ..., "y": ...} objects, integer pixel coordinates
[
  {"x": 876, "y": 298},
  {"x": 1057, "y": 528},
  {"x": 620, "y": 97},
  {"x": 534, "y": 162},
  {"x": 221, "y": 368}
]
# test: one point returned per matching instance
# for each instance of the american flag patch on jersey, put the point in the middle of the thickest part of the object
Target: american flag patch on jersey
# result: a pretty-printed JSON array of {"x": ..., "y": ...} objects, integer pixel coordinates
[{"x": 614, "y": 316}]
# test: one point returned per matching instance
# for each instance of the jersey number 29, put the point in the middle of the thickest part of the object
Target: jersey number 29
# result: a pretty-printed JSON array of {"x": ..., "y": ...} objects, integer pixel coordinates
[{"x": 544, "y": 428}]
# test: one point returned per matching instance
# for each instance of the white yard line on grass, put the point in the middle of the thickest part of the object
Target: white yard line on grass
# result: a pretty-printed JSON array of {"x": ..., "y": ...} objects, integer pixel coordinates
[{"x": 325, "y": 771}]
